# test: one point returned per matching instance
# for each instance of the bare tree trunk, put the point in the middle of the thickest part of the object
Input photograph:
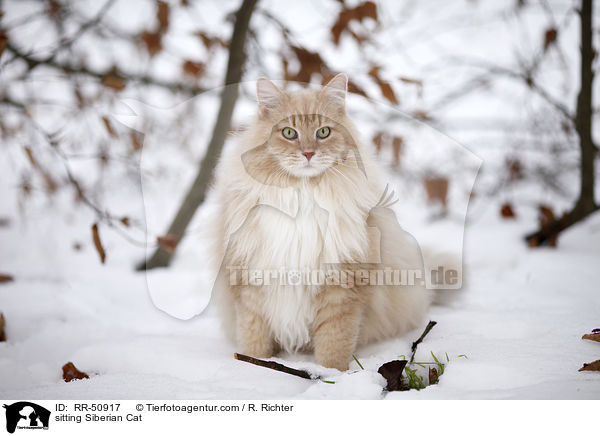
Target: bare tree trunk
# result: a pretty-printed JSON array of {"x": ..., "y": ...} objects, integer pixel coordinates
[
  {"x": 583, "y": 118},
  {"x": 197, "y": 191},
  {"x": 583, "y": 126}
]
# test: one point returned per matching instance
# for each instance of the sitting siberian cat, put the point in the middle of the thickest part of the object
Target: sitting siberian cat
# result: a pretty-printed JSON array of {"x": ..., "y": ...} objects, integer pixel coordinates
[{"x": 300, "y": 193}]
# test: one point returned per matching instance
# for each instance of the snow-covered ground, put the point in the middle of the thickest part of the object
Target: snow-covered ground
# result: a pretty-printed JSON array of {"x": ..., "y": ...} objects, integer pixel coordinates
[{"x": 519, "y": 321}]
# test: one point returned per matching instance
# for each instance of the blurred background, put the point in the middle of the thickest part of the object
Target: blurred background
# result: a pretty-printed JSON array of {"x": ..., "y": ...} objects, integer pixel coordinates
[
  {"x": 113, "y": 114},
  {"x": 500, "y": 78}
]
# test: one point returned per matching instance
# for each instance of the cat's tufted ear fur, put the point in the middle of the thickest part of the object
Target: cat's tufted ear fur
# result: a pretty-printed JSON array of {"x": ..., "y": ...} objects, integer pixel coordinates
[
  {"x": 269, "y": 96},
  {"x": 335, "y": 91}
]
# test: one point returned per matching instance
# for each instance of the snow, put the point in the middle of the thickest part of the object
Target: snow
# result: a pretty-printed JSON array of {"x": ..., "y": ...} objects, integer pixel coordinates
[{"x": 518, "y": 320}]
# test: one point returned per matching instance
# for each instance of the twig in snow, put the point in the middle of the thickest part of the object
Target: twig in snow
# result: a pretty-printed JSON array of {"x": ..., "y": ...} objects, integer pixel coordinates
[
  {"x": 416, "y": 343},
  {"x": 274, "y": 365}
]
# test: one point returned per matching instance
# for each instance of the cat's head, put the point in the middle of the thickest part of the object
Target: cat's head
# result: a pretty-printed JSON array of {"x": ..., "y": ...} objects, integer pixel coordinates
[{"x": 307, "y": 134}]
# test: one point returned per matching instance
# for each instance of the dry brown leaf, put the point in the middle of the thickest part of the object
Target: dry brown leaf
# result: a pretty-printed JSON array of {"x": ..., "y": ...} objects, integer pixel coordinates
[
  {"x": 550, "y": 38},
  {"x": 194, "y": 69},
  {"x": 392, "y": 373},
  {"x": 433, "y": 375},
  {"x": 152, "y": 41},
  {"x": 421, "y": 115},
  {"x": 137, "y": 140},
  {"x": 338, "y": 28},
  {"x": 167, "y": 242},
  {"x": 98, "y": 243},
  {"x": 30, "y": 156},
  {"x": 5, "y": 278},
  {"x": 592, "y": 336},
  {"x": 327, "y": 75},
  {"x": 2, "y": 325},
  {"x": 437, "y": 189},
  {"x": 70, "y": 372},
  {"x": 378, "y": 140},
  {"x": 388, "y": 92},
  {"x": 386, "y": 88},
  {"x": 162, "y": 14},
  {"x": 418, "y": 83},
  {"x": 3, "y": 42},
  {"x": 211, "y": 41},
  {"x": 54, "y": 9},
  {"x": 507, "y": 211},
  {"x": 359, "y": 13},
  {"x": 51, "y": 185},
  {"x": 593, "y": 366},
  {"x": 397, "y": 148},
  {"x": 515, "y": 170},
  {"x": 114, "y": 82},
  {"x": 109, "y": 127},
  {"x": 411, "y": 81},
  {"x": 310, "y": 63},
  {"x": 355, "y": 89}
]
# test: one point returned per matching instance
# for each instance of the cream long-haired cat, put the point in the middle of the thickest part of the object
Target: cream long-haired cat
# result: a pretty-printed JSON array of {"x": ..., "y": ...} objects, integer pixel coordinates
[{"x": 299, "y": 192}]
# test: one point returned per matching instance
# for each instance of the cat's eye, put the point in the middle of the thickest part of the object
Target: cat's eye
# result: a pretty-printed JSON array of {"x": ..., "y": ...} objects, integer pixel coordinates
[
  {"x": 289, "y": 133},
  {"x": 323, "y": 132}
]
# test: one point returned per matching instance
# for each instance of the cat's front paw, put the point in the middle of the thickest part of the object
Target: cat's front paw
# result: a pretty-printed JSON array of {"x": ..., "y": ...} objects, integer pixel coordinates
[
  {"x": 334, "y": 362},
  {"x": 259, "y": 349}
]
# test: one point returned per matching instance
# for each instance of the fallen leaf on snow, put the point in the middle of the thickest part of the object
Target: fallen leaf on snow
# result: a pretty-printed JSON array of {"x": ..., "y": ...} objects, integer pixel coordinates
[
  {"x": 2, "y": 324},
  {"x": 507, "y": 211},
  {"x": 72, "y": 373},
  {"x": 433, "y": 376},
  {"x": 98, "y": 243},
  {"x": 593, "y": 366},
  {"x": 592, "y": 336},
  {"x": 5, "y": 278},
  {"x": 392, "y": 373}
]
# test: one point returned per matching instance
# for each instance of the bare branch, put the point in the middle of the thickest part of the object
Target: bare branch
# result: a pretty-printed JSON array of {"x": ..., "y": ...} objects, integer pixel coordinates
[
  {"x": 274, "y": 365},
  {"x": 524, "y": 77},
  {"x": 33, "y": 62},
  {"x": 65, "y": 44},
  {"x": 416, "y": 343}
]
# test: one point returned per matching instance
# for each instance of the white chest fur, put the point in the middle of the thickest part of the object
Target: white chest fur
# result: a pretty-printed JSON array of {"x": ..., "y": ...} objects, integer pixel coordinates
[
  {"x": 293, "y": 228},
  {"x": 296, "y": 229}
]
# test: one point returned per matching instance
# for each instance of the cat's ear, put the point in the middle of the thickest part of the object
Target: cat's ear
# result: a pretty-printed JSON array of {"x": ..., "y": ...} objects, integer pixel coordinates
[
  {"x": 335, "y": 91},
  {"x": 269, "y": 96}
]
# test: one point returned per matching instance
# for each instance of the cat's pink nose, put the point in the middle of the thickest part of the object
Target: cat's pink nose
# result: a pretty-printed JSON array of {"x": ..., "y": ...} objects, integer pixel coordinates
[{"x": 309, "y": 154}]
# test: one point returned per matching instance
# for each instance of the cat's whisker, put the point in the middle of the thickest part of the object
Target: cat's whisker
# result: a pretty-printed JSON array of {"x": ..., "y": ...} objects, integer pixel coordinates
[
  {"x": 344, "y": 176},
  {"x": 388, "y": 198},
  {"x": 344, "y": 165},
  {"x": 266, "y": 167},
  {"x": 380, "y": 202}
]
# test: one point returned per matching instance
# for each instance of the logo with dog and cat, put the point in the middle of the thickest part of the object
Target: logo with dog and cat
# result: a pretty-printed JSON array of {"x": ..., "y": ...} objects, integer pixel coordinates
[{"x": 25, "y": 415}]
